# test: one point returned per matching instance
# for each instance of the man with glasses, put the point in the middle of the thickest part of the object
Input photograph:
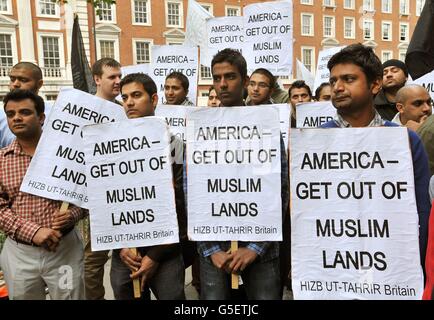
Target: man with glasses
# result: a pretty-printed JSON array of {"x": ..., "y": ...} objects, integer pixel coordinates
[{"x": 260, "y": 87}]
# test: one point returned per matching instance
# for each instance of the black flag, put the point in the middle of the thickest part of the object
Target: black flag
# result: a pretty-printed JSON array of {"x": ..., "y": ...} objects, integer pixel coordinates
[
  {"x": 81, "y": 73},
  {"x": 420, "y": 53}
]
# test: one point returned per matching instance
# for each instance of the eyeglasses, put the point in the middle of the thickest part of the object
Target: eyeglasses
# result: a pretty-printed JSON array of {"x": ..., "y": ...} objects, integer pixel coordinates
[{"x": 261, "y": 85}]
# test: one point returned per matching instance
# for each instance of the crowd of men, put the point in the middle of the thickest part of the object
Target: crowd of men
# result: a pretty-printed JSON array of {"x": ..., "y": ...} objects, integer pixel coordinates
[{"x": 41, "y": 239}]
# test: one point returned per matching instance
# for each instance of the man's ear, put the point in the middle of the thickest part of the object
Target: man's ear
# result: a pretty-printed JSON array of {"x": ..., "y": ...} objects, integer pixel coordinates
[
  {"x": 39, "y": 85},
  {"x": 246, "y": 82},
  {"x": 376, "y": 86},
  {"x": 400, "y": 107},
  {"x": 154, "y": 100},
  {"x": 42, "y": 118}
]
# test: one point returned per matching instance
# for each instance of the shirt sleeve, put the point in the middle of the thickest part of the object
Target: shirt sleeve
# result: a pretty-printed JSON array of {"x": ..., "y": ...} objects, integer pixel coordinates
[{"x": 207, "y": 248}]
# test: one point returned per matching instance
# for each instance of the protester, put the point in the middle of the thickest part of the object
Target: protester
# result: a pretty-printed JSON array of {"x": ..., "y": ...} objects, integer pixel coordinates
[
  {"x": 323, "y": 92},
  {"x": 414, "y": 106},
  {"x": 107, "y": 75},
  {"x": 42, "y": 243},
  {"x": 213, "y": 100},
  {"x": 426, "y": 134},
  {"x": 160, "y": 267},
  {"x": 260, "y": 87},
  {"x": 355, "y": 77},
  {"x": 25, "y": 76},
  {"x": 299, "y": 92},
  {"x": 176, "y": 89},
  {"x": 395, "y": 76},
  {"x": 257, "y": 262}
]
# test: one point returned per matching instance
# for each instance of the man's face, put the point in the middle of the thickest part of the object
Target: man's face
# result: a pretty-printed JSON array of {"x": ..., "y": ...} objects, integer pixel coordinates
[
  {"x": 259, "y": 89},
  {"x": 213, "y": 100},
  {"x": 350, "y": 89},
  {"x": 228, "y": 83},
  {"x": 23, "y": 120},
  {"x": 108, "y": 83},
  {"x": 393, "y": 78},
  {"x": 418, "y": 105},
  {"x": 325, "y": 94},
  {"x": 174, "y": 91},
  {"x": 299, "y": 95},
  {"x": 23, "y": 78},
  {"x": 136, "y": 101}
]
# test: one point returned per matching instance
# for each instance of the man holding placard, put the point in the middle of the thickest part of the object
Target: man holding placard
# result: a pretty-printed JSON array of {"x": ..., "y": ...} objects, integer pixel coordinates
[
  {"x": 160, "y": 267},
  {"x": 107, "y": 75},
  {"x": 176, "y": 89},
  {"x": 42, "y": 248},
  {"x": 257, "y": 262},
  {"x": 355, "y": 79},
  {"x": 261, "y": 87}
]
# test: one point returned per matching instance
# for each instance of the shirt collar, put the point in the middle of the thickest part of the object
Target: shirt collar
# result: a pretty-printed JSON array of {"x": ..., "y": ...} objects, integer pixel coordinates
[
  {"x": 376, "y": 122},
  {"x": 13, "y": 148}
]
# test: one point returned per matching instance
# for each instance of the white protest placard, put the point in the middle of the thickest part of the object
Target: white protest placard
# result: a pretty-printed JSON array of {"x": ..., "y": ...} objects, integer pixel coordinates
[
  {"x": 131, "y": 197},
  {"x": 167, "y": 59},
  {"x": 234, "y": 165},
  {"x": 427, "y": 81},
  {"x": 354, "y": 218},
  {"x": 268, "y": 36},
  {"x": 322, "y": 72},
  {"x": 57, "y": 170},
  {"x": 223, "y": 32},
  {"x": 138, "y": 68},
  {"x": 314, "y": 114},
  {"x": 284, "y": 110},
  {"x": 302, "y": 73}
]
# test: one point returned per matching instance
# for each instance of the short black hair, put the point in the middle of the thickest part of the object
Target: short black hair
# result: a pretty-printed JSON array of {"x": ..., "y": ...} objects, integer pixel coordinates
[
  {"x": 319, "y": 89},
  {"x": 298, "y": 85},
  {"x": 20, "y": 95},
  {"x": 181, "y": 77},
  {"x": 97, "y": 68},
  {"x": 36, "y": 71},
  {"x": 361, "y": 56},
  {"x": 232, "y": 57},
  {"x": 139, "y": 77},
  {"x": 266, "y": 73},
  {"x": 211, "y": 89}
]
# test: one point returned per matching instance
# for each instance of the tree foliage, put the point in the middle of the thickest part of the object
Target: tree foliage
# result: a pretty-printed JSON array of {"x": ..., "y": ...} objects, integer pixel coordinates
[{"x": 95, "y": 3}]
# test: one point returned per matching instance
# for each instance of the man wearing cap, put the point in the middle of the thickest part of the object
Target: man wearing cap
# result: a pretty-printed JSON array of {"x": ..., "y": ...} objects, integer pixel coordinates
[{"x": 395, "y": 76}]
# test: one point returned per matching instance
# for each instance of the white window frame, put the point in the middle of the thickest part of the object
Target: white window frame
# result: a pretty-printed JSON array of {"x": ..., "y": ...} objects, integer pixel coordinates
[
  {"x": 200, "y": 73},
  {"x": 106, "y": 37},
  {"x": 9, "y": 8},
  {"x": 369, "y": 9},
  {"x": 390, "y": 6},
  {"x": 61, "y": 51},
  {"x": 307, "y": 2},
  {"x": 382, "y": 55},
  {"x": 39, "y": 14},
  {"x": 407, "y": 36},
  {"x": 372, "y": 29},
  {"x": 209, "y": 5},
  {"x": 333, "y": 27},
  {"x": 14, "y": 46},
  {"x": 181, "y": 13},
  {"x": 148, "y": 11},
  {"x": 113, "y": 20},
  {"x": 135, "y": 40},
  {"x": 353, "y": 28},
  {"x": 313, "y": 67},
  {"x": 402, "y": 53},
  {"x": 238, "y": 8},
  {"x": 312, "y": 24},
  {"x": 407, "y": 13},
  {"x": 389, "y": 23},
  {"x": 352, "y": 7}
]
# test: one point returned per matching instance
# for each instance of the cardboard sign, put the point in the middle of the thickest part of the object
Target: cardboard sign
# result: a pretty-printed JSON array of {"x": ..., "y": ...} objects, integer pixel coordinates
[
  {"x": 233, "y": 167},
  {"x": 314, "y": 114},
  {"x": 354, "y": 218},
  {"x": 322, "y": 72},
  {"x": 131, "y": 195},
  {"x": 57, "y": 170}
]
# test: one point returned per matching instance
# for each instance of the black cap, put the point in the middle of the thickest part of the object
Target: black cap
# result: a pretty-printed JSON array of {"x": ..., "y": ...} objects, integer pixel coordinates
[{"x": 396, "y": 63}]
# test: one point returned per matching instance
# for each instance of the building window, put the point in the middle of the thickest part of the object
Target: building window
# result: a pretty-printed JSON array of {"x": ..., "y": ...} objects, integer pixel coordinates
[
  {"x": 107, "y": 13},
  {"x": 6, "y": 6},
  {"x": 141, "y": 12},
  {"x": 386, "y": 28},
  {"x": 368, "y": 29},
  {"x": 51, "y": 97},
  {"x": 368, "y": 5},
  {"x": 402, "y": 54},
  {"x": 403, "y": 7},
  {"x": 51, "y": 57},
  {"x": 107, "y": 49},
  {"x": 307, "y": 56},
  {"x": 419, "y": 6},
  {"x": 329, "y": 26},
  {"x": 47, "y": 7},
  {"x": 174, "y": 14},
  {"x": 386, "y": 6},
  {"x": 233, "y": 11},
  {"x": 386, "y": 55},
  {"x": 349, "y": 27},
  {"x": 208, "y": 7},
  {"x": 349, "y": 4},
  {"x": 205, "y": 72},
  {"x": 306, "y": 24},
  {"x": 329, "y": 3},
  {"x": 143, "y": 50},
  {"x": 309, "y": 2},
  {"x": 6, "y": 55},
  {"x": 403, "y": 32}
]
